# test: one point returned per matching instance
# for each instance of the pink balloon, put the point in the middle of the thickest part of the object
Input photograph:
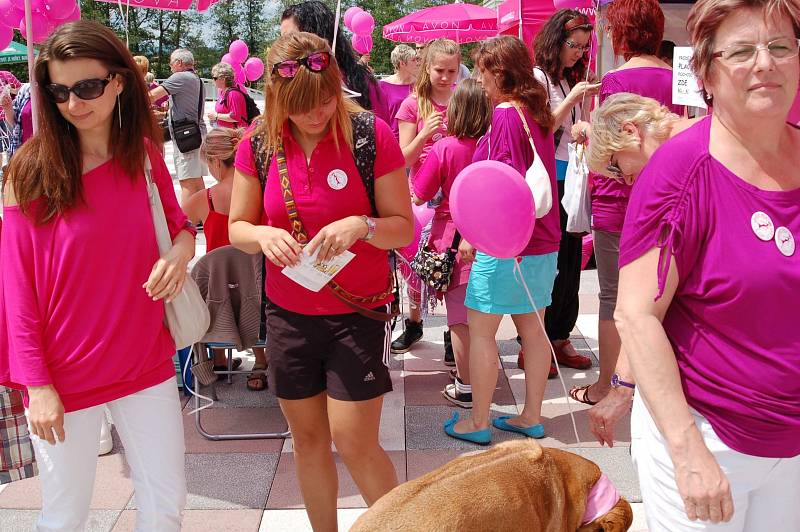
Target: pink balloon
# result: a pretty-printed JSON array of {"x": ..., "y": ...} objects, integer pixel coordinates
[
  {"x": 349, "y": 14},
  {"x": 362, "y": 23},
  {"x": 75, "y": 15},
  {"x": 42, "y": 28},
  {"x": 19, "y": 7},
  {"x": 493, "y": 208},
  {"x": 253, "y": 68},
  {"x": 6, "y": 8},
  {"x": 238, "y": 50},
  {"x": 423, "y": 214},
  {"x": 362, "y": 43},
  {"x": 8, "y": 17},
  {"x": 59, "y": 9},
  {"x": 227, "y": 59},
  {"x": 6, "y": 34},
  {"x": 422, "y": 217}
]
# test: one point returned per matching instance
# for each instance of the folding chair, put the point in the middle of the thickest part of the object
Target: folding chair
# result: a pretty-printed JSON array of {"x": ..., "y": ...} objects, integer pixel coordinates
[{"x": 231, "y": 282}]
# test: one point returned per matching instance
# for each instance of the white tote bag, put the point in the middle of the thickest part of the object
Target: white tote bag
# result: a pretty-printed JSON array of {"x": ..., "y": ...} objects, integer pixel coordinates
[
  {"x": 187, "y": 316},
  {"x": 577, "y": 201},
  {"x": 537, "y": 177}
]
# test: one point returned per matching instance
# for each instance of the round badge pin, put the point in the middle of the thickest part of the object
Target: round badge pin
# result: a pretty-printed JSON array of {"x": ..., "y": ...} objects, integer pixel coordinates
[
  {"x": 437, "y": 137},
  {"x": 337, "y": 179},
  {"x": 762, "y": 226},
  {"x": 784, "y": 239}
]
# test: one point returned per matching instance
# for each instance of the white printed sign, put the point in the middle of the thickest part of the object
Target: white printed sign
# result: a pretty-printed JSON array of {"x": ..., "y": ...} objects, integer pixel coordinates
[{"x": 685, "y": 89}]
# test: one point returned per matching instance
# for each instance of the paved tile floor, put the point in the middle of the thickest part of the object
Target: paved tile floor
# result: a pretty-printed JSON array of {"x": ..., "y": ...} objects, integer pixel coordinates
[{"x": 251, "y": 485}]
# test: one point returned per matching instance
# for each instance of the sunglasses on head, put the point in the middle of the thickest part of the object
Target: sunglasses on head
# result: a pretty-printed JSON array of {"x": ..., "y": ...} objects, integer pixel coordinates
[
  {"x": 614, "y": 170},
  {"x": 87, "y": 89},
  {"x": 316, "y": 62}
]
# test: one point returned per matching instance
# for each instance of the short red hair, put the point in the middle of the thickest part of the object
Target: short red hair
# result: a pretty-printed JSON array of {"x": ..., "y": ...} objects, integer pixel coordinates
[{"x": 637, "y": 27}]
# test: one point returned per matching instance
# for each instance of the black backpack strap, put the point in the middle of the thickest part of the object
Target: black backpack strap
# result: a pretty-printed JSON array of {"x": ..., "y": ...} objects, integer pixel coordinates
[
  {"x": 261, "y": 156},
  {"x": 365, "y": 151}
]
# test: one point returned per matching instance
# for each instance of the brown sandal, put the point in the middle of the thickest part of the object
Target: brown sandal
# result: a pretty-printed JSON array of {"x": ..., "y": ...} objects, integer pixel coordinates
[
  {"x": 257, "y": 379},
  {"x": 581, "y": 394}
]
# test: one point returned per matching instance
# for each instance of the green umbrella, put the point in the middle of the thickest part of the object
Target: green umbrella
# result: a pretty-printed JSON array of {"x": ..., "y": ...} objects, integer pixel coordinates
[{"x": 15, "y": 53}]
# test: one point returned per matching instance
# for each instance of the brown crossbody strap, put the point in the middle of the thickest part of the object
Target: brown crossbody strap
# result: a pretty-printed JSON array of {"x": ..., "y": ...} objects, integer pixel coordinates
[{"x": 299, "y": 233}]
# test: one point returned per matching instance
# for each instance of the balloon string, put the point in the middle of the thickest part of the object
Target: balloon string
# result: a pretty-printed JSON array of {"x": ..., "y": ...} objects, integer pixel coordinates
[{"x": 518, "y": 273}]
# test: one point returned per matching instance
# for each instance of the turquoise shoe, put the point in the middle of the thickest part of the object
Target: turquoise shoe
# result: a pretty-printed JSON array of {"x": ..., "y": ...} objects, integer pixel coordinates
[
  {"x": 481, "y": 437},
  {"x": 535, "y": 431}
]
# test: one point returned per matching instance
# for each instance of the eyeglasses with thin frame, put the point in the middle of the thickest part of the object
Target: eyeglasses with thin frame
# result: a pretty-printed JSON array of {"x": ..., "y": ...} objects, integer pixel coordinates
[
  {"x": 740, "y": 53},
  {"x": 575, "y": 46},
  {"x": 316, "y": 62},
  {"x": 87, "y": 89}
]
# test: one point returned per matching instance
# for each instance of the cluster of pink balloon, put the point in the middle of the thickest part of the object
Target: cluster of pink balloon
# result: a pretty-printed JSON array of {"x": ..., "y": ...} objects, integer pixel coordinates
[
  {"x": 361, "y": 23},
  {"x": 493, "y": 187},
  {"x": 244, "y": 69},
  {"x": 47, "y": 15}
]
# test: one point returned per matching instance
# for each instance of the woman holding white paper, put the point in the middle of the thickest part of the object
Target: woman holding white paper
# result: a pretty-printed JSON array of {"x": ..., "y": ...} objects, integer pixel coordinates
[{"x": 328, "y": 349}]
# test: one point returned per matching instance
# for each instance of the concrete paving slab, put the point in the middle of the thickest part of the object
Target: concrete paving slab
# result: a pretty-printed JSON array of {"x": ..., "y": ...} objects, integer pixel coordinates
[
  {"x": 19, "y": 520},
  {"x": 234, "y": 420}
]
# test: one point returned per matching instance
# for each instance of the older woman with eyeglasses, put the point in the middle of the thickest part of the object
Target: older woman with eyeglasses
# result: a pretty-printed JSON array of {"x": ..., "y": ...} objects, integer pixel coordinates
[
  {"x": 709, "y": 271},
  {"x": 231, "y": 107}
]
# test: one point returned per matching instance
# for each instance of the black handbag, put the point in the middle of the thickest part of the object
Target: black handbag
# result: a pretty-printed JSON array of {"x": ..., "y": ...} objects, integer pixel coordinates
[
  {"x": 186, "y": 133},
  {"x": 435, "y": 268}
]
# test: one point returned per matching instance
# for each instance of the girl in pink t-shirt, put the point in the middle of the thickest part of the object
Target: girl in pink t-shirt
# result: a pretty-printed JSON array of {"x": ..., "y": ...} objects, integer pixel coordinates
[
  {"x": 329, "y": 346},
  {"x": 469, "y": 116},
  {"x": 84, "y": 301}
]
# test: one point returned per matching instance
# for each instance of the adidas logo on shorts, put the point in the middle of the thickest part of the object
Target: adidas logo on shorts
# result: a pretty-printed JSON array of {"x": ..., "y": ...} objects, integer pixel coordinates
[{"x": 370, "y": 377}]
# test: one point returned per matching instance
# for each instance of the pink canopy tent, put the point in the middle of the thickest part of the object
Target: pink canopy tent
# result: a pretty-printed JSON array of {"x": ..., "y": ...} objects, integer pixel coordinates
[
  {"x": 460, "y": 22},
  {"x": 167, "y": 5}
]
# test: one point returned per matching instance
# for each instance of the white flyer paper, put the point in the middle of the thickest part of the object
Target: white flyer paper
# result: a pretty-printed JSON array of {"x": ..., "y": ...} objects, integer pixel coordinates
[
  {"x": 685, "y": 90},
  {"x": 314, "y": 275}
]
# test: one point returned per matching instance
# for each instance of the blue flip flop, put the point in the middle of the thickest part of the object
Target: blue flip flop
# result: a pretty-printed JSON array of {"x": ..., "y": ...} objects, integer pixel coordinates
[
  {"x": 481, "y": 437},
  {"x": 535, "y": 431}
]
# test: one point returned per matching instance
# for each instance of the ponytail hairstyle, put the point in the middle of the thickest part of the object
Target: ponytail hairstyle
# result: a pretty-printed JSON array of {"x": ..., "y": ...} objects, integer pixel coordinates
[
  {"x": 470, "y": 112},
  {"x": 221, "y": 144},
  {"x": 424, "y": 88},
  {"x": 508, "y": 60},
  {"x": 607, "y": 136}
]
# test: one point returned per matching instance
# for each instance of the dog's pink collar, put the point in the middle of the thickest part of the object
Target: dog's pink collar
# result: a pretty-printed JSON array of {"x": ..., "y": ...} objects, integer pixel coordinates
[{"x": 602, "y": 498}]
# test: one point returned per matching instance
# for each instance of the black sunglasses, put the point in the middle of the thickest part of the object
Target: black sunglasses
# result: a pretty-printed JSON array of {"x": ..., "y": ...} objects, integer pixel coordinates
[
  {"x": 316, "y": 62},
  {"x": 87, "y": 89}
]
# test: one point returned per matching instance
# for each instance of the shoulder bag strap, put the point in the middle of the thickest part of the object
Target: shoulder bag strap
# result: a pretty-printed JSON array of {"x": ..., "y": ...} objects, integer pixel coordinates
[
  {"x": 200, "y": 97},
  {"x": 527, "y": 130}
]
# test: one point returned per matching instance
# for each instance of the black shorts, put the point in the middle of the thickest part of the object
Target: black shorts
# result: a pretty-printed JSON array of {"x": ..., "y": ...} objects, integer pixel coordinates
[{"x": 345, "y": 354}]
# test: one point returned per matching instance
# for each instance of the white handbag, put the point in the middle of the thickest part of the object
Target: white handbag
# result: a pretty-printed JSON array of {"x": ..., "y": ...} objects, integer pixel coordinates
[
  {"x": 186, "y": 316},
  {"x": 577, "y": 200}
]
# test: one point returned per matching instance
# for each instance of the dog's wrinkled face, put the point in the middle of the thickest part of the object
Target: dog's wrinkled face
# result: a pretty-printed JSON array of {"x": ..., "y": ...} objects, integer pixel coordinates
[{"x": 619, "y": 519}]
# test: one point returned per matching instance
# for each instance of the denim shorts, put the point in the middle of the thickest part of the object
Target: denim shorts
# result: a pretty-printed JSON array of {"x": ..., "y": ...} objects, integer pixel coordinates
[{"x": 495, "y": 286}]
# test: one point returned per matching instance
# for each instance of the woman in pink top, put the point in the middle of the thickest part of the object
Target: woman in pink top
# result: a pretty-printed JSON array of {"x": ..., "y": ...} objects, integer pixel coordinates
[
  {"x": 469, "y": 117},
  {"x": 231, "y": 107},
  {"x": 637, "y": 28},
  {"x": 329, "y": 348},
  {"x": 397, "y": 87},
  {"x": 422, "y": 121},
  {"x": 709, "y": 273},
  {"x": 85, "y": 305}
]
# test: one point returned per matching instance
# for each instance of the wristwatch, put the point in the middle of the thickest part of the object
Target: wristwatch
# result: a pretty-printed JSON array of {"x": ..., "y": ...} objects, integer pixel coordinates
[
  {"x": 616, "y": 382},
  {"x": 370, "y": 228}
]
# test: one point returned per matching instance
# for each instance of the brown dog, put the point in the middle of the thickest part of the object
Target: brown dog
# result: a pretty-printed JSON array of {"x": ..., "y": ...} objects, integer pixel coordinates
[{"x": 515, "y": 486}]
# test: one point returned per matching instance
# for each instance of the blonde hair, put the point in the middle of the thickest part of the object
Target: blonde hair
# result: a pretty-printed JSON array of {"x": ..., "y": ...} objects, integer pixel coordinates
[
  {"x": 143, "y": 63},
  {"x": 305, "y": 91},
  {"x": 149, "y": 77},
  {"x": 221, "y": 144},
  {"x": 423, "y": 88},
  {"x": 225, "y": 71},
  {"x": 607, "y": 136},
  {"x": 707, "y": 16},
  {"x": 402, "y": 53}
]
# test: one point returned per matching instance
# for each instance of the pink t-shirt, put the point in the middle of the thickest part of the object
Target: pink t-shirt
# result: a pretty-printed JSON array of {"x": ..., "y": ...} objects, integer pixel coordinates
[
  {"x": 77, "y": 315},
  {"x": 509, "y": 144},
  {"x": 794, "y": 112},
  {"x": 408, "y": 112},
  {"x": 326, "y": 189},
  {"x": 733, "y": 319},
  {"x": 394, "y": 95},
  {"x": 232, "y": 102},
  {"x": 610, "y": 197},
  {"x": 445, "y": 160}
]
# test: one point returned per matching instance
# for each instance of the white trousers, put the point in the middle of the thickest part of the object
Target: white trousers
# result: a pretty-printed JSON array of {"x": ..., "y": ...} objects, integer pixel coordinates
[
  {"x": 151, "y": 428},
  {"x": 766, "y": 491}
]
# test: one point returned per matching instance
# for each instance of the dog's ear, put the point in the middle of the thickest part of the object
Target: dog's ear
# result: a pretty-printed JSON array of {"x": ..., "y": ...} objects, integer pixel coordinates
[{"x": 619, "y": 519}]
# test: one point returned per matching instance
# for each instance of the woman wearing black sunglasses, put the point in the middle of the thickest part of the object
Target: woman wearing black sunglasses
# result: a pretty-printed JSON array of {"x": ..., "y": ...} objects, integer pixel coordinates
[
  {"x": 329, "y": 348},
  {"x": 85, "y": 303}
]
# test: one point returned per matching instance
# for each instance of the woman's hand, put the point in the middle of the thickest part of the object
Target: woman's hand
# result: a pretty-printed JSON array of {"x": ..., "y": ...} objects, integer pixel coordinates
[
  {"x": 702, "y": 484},
  {"x": 279, "y": 246},
  {"x": 583, "y": 89},
  {"x": 432, "y": 125},
  {"x": 605, "y": 415},
  {"x": 337, "y": 237},
  {"x": 168, "y": 275},
  {"x": 466, "y": 251},
  {"x": 211, "y": 115},
  {"x": 46, "y": 413},
  {"x": 580, "y": 131}
]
